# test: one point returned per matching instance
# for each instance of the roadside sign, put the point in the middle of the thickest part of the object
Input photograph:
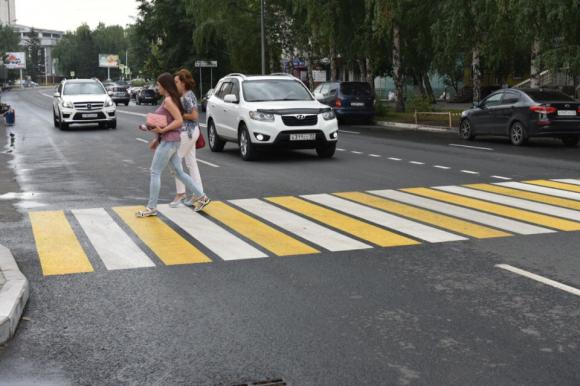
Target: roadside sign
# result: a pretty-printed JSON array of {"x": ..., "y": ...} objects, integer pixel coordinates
[
  {"x": 108, "y": 60},
  {"x": 72, "y": 74},
  {"x": 15, "y": 60},
  {"x": 206, "y": 63}
]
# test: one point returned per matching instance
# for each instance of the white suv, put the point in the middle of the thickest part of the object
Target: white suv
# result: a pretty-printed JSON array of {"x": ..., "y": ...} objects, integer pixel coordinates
[
  {"x": 271, "y": 110},
  {"x": 83, "y": 101}
]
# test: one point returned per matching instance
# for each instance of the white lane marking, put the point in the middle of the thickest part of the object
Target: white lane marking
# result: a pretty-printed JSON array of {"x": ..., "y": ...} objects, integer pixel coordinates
[
  {"x": 471, "y": 147},
  {"x": 115, "y": 248},
  {"x": 207, "y": 163},
  {"x": 501, "y": 178},
  {"x": 395, "y": 159},
  {"x": 348, "y": 131},
  {"x": 356, "y": 152},
  {"x": 218, "y": 240},
  {"x": 541, "y": 189},
  {"x": 131, "y": 113},
  {"x": 202, "y": 125},
  {"x": 412, "y": 228},
  {"x": 541, "y": 279},
  {"x": 469, "y": 172},
  {"x": 339, "y": 149},
  {"x": 515, "y": 202},
  {"x": 568, "y": 181},
  {"x": 417, "y": 163},
  {"x": 463, "y": 213},
  {"x": 46, "y": 95},
  {"x": 374, "y": 155},
  {"x": 308, "y": 230},
  {"x": 142, "y": 140},
  {"x": 441, "y": 167}
]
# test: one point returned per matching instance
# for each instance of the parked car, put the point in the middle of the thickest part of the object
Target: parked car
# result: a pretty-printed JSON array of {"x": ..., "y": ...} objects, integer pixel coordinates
[
  {"x": 133, "y": 91},
  {"x": 269, "y": 111},
  {"x": 523, "y": 114},
  {"x": 351, "y": 100},
  {"x": 120, "y": 94},
  {"x": 83, "y": 101},
  {"x": 146, "y": 95},
  {"x": 205, "y": 99}
]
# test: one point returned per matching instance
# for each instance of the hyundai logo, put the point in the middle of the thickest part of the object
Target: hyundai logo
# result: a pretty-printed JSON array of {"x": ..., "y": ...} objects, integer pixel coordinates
[{"x": 300, "y": 117}]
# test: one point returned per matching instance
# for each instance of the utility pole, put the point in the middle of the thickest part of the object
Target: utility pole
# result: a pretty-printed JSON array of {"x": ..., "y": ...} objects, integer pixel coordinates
[{"x": 263, "y": 39}]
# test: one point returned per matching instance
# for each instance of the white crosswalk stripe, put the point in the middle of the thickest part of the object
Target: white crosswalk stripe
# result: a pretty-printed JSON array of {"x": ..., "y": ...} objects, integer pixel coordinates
[
  {"x": 541, "y": 189},
  {"x": 515, "y": 202},
  {"x": 220, "y": 241},
  {"x": 308, "y": 230},
  {"x": 568, "y": 181},
  {"x": 114, "y": 246},
  {"x": 418, "y": 230},
  {"x": 464, "y": 213}
]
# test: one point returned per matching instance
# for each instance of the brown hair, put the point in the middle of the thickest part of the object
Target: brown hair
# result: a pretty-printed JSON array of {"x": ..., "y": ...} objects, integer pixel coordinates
[
  {"x": 166, "y": 81},
  {"x": 186, "y": 77}
]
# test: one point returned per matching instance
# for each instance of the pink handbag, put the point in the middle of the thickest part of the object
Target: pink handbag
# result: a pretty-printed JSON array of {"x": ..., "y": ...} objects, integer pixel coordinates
[{"x": 156, "y": 120}]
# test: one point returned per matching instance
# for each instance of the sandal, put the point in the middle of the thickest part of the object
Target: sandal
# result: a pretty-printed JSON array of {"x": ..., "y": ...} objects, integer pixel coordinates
[
  {"x": 201, "y": 203},
  {"x": 146, "y": 213},
  {"x": 177, "y": 202}
]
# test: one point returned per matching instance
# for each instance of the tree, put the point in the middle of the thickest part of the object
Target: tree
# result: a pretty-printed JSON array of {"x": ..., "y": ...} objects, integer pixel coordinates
[
  {"x": 9, "y": 39},
  {"x": 34, "y": 55}
]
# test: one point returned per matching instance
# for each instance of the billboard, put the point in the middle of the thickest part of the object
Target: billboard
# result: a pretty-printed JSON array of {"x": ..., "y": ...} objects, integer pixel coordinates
[
  {"x": 15, "y": 60},
  {"x": 108, "y": 60}
]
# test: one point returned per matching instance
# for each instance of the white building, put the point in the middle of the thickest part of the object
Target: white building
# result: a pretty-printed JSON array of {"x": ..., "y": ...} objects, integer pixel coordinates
[
  {"x": 48, "y": 40},
  {"x": 7, "y": 12}
]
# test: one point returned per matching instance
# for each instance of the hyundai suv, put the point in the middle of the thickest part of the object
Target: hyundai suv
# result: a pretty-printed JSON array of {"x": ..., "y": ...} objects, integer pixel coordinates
[
  {"x": 83, "y": 101},
  {"x": 269, "y": 111}
]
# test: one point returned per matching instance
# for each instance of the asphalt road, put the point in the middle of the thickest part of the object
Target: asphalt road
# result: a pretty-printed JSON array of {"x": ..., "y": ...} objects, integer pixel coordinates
[{"x": 432, "y": 313}]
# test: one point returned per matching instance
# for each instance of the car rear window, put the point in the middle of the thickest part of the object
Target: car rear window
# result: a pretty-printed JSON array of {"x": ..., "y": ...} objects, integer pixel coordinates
[
  {"x": 546, "y": 96},
  {"x": 355, "y": 88}
]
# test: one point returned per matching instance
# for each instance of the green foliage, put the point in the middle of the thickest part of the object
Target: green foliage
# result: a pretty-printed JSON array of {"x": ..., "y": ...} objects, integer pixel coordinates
[
  {"x": 34, "y": 56},
  {"x": 9, "y": 39},
  {"x": 418, "y": 103}
]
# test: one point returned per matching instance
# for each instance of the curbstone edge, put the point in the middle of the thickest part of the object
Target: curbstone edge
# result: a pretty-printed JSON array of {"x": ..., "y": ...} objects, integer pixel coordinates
[{"x": 13, "y": 294}]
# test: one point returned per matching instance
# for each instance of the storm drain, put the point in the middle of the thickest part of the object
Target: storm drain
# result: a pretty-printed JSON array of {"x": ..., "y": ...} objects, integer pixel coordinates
[{"x": 269, "y": 382}]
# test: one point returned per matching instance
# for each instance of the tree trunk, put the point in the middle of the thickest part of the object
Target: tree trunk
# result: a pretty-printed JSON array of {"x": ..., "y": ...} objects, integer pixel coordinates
[
  {"x": 476, "y": 74},
  {"x": 362, "y": 70},
  {"x": 418, "y": 80},
  {"x": 397, "y": 73},
  {"x": 333, "y": 66},
  {"x": 369, "y": 75},
  {"x": 429, "y": 89},
  {"x": 534, "y": 64},
  {"x": 309, "y": 69}
]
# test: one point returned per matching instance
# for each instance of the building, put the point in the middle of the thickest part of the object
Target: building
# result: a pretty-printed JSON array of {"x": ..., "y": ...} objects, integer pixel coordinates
[
  {"x": 7, "y": 12},
  {"x": 48, "y": 40}
]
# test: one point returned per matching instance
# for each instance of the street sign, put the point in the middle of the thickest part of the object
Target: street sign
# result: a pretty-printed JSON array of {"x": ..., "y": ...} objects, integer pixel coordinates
[
  {"x": 72, "y": 74},
  {"x": 206, "y": 63}
]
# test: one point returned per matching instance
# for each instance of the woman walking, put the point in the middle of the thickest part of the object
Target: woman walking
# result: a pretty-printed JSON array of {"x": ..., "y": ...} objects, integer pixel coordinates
[
  {"x": 189, "y": 136},
  {"x": 167, "y": 144}
]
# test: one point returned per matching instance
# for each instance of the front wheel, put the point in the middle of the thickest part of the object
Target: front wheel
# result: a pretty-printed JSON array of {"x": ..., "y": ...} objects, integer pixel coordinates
[
  {"x": 113, "y": 124},
  {"x": 216, "y": 144},
  {"x": 466, "y": 130},
  {"x": 247, "y": 148},
  {"x": 571, "y": 140},
  {"x": 518, "y": 134},
  {"x": 326, "y": 151},
  {"x": 55, "y": 120}
]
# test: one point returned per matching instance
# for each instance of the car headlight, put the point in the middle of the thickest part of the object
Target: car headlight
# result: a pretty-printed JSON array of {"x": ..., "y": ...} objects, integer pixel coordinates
[
  {"x": 109, "y": 103},
  {"x": 329, "y": 115},
  {"x": 264, "y": 117},
  {"x": 67, "y": 104}
]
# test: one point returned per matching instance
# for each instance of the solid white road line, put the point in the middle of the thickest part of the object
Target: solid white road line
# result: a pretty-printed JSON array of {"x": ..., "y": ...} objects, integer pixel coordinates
[
  {"x": 217, "y": 239},
  {"x": 469, "y": 172},
  {"x": 515, "y": 202},
  {"x": 207, "y": 163},
  {"x": 394, "y": 159},
  {"x": 374, "y": 155},
  {"x": 115, "y": 248},
  {"x": 399, "y": 224},
  {"x": 463, "y": 213},
  {"x": 441, "y": 167},
  {"x": 541, "y": 279},
  {"x": 501, "y": 178},
  {"x": 471, "y": 147},
  {"x": 417, "y": 163},
  {"x": 308, "y": 230},
  {"x": 142, "y": 140},
  {"x": 541, "y": 189},
  {"x": 348, "y": 131},
  {"x": 568, "y": 181}
]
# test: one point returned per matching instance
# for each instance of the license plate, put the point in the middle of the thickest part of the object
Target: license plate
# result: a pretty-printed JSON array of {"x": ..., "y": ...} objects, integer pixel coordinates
[
  {"x": 357, "y": 104},
  {"x": 303, "y": 137},
  {"x": 567, "y": 112},
  {"x": 90, "y": 115}
]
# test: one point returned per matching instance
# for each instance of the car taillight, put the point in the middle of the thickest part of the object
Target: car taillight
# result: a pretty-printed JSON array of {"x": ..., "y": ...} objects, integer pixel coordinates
[
  {"x": 543, "y": 109},
  {"x": 338, "y": 103},
  {"x": 578, "y": 110}
]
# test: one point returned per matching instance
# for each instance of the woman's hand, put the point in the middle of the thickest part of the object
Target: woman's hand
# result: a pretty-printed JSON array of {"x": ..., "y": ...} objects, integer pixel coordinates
[
  {"x": 158, "y": 130},
  {"x": 153, "y": 144}
]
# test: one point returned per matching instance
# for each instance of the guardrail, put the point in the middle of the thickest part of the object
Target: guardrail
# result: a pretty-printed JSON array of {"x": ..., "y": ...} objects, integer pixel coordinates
[{"x": 448, "y": 113}]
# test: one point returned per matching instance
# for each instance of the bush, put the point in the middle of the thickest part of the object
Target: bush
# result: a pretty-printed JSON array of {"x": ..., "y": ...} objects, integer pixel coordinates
[
  {"x": 381, "y": 109},
  {"x": 138, "y": 82},
  {"x": 418, "y": 103}
]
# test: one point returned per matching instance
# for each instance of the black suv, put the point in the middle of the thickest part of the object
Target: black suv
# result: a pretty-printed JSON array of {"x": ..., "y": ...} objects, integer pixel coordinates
[
  {"x": 120, "y": 94},
  {"x": 353, "y": 100},
  {"x": 146, "y": 95}
]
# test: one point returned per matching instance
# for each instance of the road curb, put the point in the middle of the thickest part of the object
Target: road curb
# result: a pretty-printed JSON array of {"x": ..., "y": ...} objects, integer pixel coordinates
[
  {"x": 13, "y": 294},
  {"x": 413, "y": 126}
]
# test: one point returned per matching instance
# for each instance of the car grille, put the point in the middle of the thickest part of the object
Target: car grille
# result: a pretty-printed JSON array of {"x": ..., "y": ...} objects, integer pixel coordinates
[
  {"x": 292, "y": 120},
  {"x": 79, "y": 117},
  {"x": 88, "y": 105}
]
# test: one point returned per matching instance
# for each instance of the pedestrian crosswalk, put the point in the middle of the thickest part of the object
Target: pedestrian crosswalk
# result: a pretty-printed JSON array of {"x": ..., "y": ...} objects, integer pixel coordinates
[{"x": 105, "y": 239}]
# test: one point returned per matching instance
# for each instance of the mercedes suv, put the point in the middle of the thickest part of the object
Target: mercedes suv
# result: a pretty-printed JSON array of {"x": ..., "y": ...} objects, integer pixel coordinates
[
  {"x": 79, "y": 101},
  {"x": 269, "y": 111}
]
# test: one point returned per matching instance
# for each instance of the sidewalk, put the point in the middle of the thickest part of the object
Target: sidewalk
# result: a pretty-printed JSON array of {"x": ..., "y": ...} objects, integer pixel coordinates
[
  {"x": 417, "y": 127},
  {"x": 14, "y": 293}
]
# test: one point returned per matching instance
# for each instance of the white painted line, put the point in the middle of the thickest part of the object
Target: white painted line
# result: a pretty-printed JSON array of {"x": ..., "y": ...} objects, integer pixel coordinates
[
  {"x": 541, "y": 189},
  {"x": 202, "y": 125},
  {"x": 142, "y": 140},
  {"x": 400, "y": 224},
  {"x": 356, "y": 152},
  {"x": 541, "y": 279},
  {"x": 46, "y": 95},
  {"x": 515, "y": 202},
  {"x": 417, "y": 163},
  {"x": 308, "y": 230},
  {"x": 207, "y": 163},
  {"x": 469, "y": 172},
  {"x": 131, "y": 113},
  {"x": 349, "y": 132},
  {"x": 471, "y": 147},
  {"x": 375, "y": 155},
  {"x": 395, "y": 159},
  {"x": 501, "y": 178},
  {"x": 568, "y": 181},
  {"x": 115, "y": 248},
  {"x": 339, "y": 149},
  {"x": 441, "y": 167},
  {"x": 220, "y": 241},
  {"x": 463, "y": 213}
]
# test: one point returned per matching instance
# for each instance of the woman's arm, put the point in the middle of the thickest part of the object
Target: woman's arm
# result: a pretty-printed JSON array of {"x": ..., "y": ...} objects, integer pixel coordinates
[
  {"x": 193, "y": 116},
  {"x": 175, "y": 113}
]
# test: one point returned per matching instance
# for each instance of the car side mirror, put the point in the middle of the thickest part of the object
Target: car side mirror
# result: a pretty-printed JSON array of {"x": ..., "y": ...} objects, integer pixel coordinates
[
  {"x": 231, "y": 98},
  {"x": 56, "y": 95},
  {"x": 477, "y": 104}
]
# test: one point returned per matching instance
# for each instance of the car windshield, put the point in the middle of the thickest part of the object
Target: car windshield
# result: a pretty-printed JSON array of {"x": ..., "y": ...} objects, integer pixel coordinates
[
  {"x": 275, "y": 90},
  {"x": 546, "y": 96},
  {"x": 355, "y": 88},
  {"x": 89, "y": 88}
]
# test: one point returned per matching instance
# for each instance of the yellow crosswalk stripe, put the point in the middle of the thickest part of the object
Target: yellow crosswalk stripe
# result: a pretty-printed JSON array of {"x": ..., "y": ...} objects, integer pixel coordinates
[
  {"x": 168, "y": 245},
  {"x": 555, "y": 185},
  {"x": 58, "y": 248},
  {"x": 544, "y": 198},
  {"x": 262, "y": 234},
  {"x": 342, "y": 222},
  {"x": 440, "y": 220},
  {"x": 502, "y": 210}
]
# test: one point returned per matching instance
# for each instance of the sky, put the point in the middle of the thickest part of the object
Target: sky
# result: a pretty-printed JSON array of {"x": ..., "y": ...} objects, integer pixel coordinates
[{"x": 67, "y": 15}]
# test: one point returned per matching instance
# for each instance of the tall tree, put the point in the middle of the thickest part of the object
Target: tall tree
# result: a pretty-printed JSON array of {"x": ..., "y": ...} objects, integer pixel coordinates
[{"x": 34, "y": 55}]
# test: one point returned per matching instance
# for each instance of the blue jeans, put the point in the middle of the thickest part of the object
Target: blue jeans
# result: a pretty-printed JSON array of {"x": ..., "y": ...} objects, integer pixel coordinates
[{"x": 167, "y": 152}]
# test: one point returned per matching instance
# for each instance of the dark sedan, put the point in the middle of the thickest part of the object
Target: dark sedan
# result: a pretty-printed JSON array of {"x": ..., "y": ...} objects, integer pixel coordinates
[
  {"x": 351, "y": 100},
  {"x": 523, "y": 114}
]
